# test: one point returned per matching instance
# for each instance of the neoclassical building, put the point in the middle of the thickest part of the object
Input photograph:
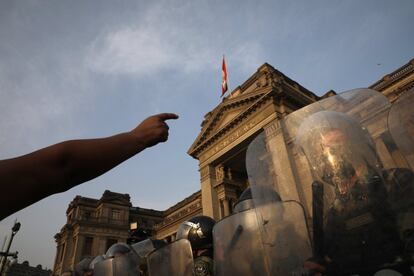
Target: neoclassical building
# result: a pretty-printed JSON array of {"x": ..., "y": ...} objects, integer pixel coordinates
[{"x": 220, "y": 148}]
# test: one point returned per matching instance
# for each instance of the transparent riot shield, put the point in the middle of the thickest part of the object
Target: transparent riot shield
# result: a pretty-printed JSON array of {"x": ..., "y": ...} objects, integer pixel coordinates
[
  {"x": 239, "y": 247},
  {"x": 173, "y": 259},
  {"x": 330, "y": 157},
  {"x": 120, "y": 265},
  {"x": 401, "y": 125},
  {"x": 143, "y": 249},
  {"x": 401, "y": 178}
]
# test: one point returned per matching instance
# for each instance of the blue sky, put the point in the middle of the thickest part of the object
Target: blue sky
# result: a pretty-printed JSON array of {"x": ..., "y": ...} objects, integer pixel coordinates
[{"x": 84, "y": 69}]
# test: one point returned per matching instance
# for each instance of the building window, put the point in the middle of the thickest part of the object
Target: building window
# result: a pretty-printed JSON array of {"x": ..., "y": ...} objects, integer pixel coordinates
[
  {"x": 110, "y": 242},
  {"x": 87, "y": 247},
  {"x": 116, "y": 214},
  {"x": 86, "y": 214}
]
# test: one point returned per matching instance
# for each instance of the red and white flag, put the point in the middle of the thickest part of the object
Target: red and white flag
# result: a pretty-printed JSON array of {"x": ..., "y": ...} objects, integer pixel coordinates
[{"x": 224, "y": 79}]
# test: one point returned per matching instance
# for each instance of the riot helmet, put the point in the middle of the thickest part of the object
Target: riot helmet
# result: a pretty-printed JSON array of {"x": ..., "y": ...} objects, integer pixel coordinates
[
  {"x": 117, "y": 249},
  {"x": 137, "y": 235},
  {"x": 96, "y": 260},
  {"x": 82, "y": 267},
  {"x": 245, "y": 201},
  {"x": 198, "y": 230}
]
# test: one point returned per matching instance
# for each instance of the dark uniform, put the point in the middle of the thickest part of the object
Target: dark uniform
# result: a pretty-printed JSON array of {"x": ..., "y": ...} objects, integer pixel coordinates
[
  {"x": 204, "y": 266},
  {"x": 361, "y": 230}
]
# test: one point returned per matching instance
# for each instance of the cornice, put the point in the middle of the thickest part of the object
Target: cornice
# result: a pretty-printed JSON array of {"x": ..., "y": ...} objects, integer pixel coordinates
[
  {"x": 144, "y": 211},
  {"x": 101, "y": 225},
  {"x": 392, "y": 78},
  {"x": 182, "y": 203},
  {"x": 187, "y": 213}
]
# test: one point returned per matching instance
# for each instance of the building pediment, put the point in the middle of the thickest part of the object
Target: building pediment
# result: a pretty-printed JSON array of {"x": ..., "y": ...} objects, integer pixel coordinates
[
  {"x": 238, "y": 105},
  {"x": 235, "y": 105},
  {"x": 227, "y": 113}
]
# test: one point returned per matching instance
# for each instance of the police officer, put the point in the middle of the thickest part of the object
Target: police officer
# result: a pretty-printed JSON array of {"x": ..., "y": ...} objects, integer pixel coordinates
[
  {"x": 199, "y": 231},
  {"x": 361, "y": 234}
]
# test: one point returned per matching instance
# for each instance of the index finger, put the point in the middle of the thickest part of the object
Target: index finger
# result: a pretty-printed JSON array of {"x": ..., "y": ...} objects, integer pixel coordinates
[{"x": 167, "y": 116}]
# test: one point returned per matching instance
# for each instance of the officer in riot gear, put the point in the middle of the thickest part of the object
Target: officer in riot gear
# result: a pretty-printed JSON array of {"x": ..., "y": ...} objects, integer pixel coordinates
[
  {"x": 361, "y": 233},
  {"x": 244, "y": 202},
  {"x": 142, "y": 249},
  {"x": 137, "y": 235},
  {"x": 199, "y": 231},
  {"x": 120, "y": 259}
]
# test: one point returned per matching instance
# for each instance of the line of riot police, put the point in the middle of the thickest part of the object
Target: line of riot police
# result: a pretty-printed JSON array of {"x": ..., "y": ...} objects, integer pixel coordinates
[{"x": 331, "y": 193}]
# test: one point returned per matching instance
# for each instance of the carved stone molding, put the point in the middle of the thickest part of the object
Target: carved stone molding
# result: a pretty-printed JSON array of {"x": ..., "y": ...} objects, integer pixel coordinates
[
  {"x": 233, "y": 136},
  {"x": 272, "y": 129},
  {"x": 220, "y": 175}
]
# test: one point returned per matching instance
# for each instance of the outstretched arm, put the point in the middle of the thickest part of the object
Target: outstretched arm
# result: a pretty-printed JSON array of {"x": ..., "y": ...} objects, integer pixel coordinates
[{"x": 29, "y": 178}]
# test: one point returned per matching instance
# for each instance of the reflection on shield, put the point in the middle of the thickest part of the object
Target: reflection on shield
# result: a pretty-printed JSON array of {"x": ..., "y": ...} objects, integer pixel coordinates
[
  {"x": 173, "y": 259},
  {"x": 276, "y": 244}
]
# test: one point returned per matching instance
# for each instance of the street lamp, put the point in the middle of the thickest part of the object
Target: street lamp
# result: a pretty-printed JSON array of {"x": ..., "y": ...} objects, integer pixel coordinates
[{"x": 4, "y": 255}]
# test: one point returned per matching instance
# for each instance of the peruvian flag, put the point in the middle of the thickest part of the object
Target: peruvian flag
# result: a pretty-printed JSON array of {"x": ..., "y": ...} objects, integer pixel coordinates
[{"x": 224, "y": 80}]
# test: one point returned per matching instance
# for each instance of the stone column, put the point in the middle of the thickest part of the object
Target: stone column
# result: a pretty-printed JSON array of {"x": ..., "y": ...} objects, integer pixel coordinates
[
  {"x": 208, "y": 193},
  {"x": 78, "y": 248},
  {"x": 285, "y": 180},
  {"x": 66, "y": 257},
  {"x": 101, "y": 241},
  {"x": 58, "y": 248},
  {"x": 226, "y": 206}
]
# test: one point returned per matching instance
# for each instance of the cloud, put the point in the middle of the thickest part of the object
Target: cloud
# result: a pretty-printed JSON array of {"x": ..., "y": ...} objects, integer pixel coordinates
[{"x": 166, "y": 40}]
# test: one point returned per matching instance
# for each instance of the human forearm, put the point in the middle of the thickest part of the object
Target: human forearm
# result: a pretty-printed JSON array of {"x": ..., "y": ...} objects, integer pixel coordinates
[
  {"x": 60, "y": 167},
  {"x": 84, "y": 160},
  {"x": 29, "y": 178}
]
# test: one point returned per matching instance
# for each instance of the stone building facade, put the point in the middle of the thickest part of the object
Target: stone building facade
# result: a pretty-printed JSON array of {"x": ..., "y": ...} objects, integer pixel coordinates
[
  {"x": 93, "y": 225},
  {"x": 220, "y": 148}
]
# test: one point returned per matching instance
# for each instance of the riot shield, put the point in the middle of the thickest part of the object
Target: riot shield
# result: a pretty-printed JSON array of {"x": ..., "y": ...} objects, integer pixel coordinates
[
  {"x": 401, "y": 125},
  {"x": 120, "y": 265},
  {"x": 401, "y": 178},
  {"x": 175, "y": 258},
  {"x": 143, "y": 249},
  {"x": 331, "y": 158},
  {"x": 240, "y": 249}
]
